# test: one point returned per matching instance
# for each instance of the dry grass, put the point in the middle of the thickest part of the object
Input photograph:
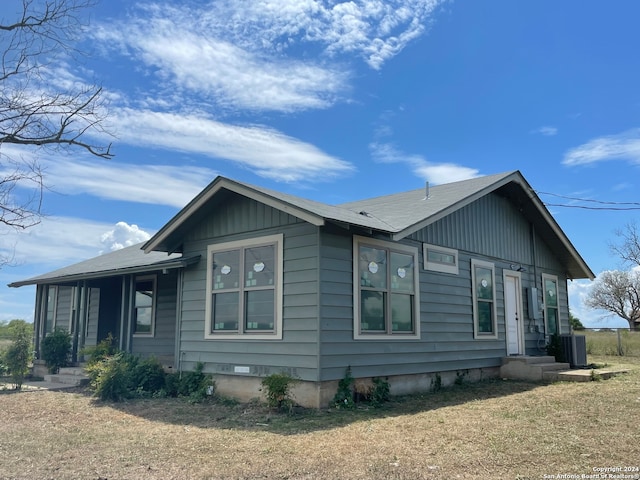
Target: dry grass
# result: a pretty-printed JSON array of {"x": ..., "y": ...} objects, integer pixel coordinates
[
  {"x": 609, "y": 343},
  {"x": 497, "y": 429}
]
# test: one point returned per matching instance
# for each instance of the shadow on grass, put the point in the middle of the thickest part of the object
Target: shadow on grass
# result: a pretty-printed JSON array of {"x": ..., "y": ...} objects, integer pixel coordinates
[{"x": 256, "y": 416}]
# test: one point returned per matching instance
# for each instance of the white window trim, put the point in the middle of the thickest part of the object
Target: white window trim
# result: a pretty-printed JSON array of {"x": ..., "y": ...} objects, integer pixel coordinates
[
  {"x": 437, "y": 266},
  {"x": 144, "y": 278},
  {"x": 252, "y": 242},
  {"x": 553, "y": 278},
  {"x": 357, "y": 241},
  {"x": 476, "y": 334}
]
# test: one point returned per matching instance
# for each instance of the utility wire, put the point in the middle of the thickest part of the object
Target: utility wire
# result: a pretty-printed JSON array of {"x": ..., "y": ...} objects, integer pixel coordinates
[{"x": 621, "y": 206}]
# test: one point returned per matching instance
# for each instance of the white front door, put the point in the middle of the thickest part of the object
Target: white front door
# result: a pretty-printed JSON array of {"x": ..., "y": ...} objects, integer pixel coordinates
[{"x": 513, "y": 313}]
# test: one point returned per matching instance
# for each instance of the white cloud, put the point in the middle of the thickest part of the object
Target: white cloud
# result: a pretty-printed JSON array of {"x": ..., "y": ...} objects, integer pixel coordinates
[
  {"x": 623, "y": 146},
  {"x": 58, "y": 241},
  {"x": 547, "y": 131},
  {"x": 265, "y": 151},
  {"x": 123, "y": 235},
  {"x": 127, "y": 182},
  {"x": 268, "y": 55},
  {"x": 436, "y": 173},
  {"x": 375, "y": 30}
]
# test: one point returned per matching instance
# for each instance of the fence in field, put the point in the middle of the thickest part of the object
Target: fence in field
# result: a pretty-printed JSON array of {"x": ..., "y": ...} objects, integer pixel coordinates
[{"x": 611, "y": 341}]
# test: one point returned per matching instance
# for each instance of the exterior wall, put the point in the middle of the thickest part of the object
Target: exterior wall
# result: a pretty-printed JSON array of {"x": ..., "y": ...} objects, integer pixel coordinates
[
  {"x": 297, "y": 353},
  {"x": 93, "y": 308},
  {"x": 64, "y": 307},
  {"x": 162, "y": 343},
  {"x": 490, "y": 229}
]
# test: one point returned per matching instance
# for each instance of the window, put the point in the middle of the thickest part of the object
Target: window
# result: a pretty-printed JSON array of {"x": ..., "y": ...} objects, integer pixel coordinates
[
  {"x": 484, "y": 299},
  {"x": 385, "y": 290},
  {"x": 550, "y": 299},
  {"x": 144, "y": 307},
  {"x": 244, "y": 285},
  {"x": 440, "y": 259}
]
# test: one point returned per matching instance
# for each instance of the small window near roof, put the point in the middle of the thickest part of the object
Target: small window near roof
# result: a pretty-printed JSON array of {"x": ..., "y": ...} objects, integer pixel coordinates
[{"x": 440, "y": 259}]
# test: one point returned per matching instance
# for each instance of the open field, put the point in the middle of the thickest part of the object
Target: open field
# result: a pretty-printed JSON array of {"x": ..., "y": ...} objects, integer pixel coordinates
[
  {"x": 495, "y": 429},
  {"x": 606, "y": 342}
]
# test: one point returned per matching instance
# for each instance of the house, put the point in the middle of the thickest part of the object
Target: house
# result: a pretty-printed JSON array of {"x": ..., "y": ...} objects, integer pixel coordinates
[{"x": 431, "y": 283}]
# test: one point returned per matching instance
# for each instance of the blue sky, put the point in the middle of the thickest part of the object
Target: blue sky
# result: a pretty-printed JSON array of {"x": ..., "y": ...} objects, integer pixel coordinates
[{"x": 338, "y": 101}]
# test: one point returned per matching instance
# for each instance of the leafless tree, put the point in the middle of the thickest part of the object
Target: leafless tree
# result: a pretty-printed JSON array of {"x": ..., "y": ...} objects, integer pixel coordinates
[
  {"x": 41, "y": 109},
  {"x": 617, "y": 292},
  {"x": 628, "y": 249}
]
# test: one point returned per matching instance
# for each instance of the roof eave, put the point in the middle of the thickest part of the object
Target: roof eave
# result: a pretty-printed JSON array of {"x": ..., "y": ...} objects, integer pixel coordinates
[
  {"x": 166, "y": 265},
  {"x": 156, "y": 242},
  {"x": 580, "y": 268}
]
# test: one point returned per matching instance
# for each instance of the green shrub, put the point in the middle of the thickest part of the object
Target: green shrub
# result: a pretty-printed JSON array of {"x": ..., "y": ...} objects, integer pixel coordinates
[
  {"x": 56, "y": 349},
  {"x": 18, "y": 356},
  {"x": 278, "y": 391},
  {"x": 379, "y": 393},
  {"x": 149, "y": 376},
  {"x": 554, "y": 348},
  {"x": 105, "y": 348},
  {"x": 344, "y": 395},
  {"x": 112, "y": 377},
  {"x": 196, "y": 385}
]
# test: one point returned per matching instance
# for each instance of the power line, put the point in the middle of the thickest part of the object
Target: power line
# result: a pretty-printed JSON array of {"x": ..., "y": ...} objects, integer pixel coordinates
[{"x": 614, "y": 206}]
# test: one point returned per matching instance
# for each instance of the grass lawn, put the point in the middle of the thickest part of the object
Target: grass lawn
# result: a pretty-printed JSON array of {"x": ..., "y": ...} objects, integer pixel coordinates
[{"x": 494, "y": 429}]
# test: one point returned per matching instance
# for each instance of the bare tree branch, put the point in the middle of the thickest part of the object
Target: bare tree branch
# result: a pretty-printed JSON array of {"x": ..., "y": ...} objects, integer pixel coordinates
[
  {"x": 629, "y": 247},
  {"x": 39, "y": 108},
  {"x": 617, "y": 292}
]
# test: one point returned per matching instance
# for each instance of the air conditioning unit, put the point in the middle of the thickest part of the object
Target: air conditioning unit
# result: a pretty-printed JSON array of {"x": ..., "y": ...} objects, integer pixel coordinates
[{"x": 574, "y": 348}]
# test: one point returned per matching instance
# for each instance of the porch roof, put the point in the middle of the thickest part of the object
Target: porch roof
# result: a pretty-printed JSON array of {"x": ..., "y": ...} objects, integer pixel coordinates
[{"x": 129, "y": 260}]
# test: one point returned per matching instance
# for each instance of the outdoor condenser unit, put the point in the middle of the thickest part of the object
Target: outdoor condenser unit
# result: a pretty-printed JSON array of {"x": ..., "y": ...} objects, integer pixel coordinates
[{"x": 574, "y": 348}]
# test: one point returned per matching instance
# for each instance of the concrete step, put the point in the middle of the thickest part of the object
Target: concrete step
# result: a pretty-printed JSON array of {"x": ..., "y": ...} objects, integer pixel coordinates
[
  {"x": 529, "y": 368},
  {"x": 528, "y": 359},
  {"x": 68, "y": 376},
  {"x": 582, "y": 375}
]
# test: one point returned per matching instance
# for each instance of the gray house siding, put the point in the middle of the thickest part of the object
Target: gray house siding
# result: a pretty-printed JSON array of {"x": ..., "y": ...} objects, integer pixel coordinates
[
  {"x": 63, "y": 307},
  {"x": 297, "y": 352},
  {"x": 93, "y": 308},
  {"x": 490, "y": 229},
  {"x": 162, "y": 343}
]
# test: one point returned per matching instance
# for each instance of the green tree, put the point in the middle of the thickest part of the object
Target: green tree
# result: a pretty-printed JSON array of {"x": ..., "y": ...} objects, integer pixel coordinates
[
  {"x": 19, "y": 354},
  {"x": 575, "y": 322}
]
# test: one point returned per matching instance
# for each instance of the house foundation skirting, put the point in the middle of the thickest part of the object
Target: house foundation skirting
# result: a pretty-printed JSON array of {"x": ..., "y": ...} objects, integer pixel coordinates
[{"x": 320, "y": 394}]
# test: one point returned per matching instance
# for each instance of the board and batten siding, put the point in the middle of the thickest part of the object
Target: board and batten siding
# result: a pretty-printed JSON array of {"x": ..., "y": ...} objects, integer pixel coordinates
[
  {"x": 297, "y": 353},
  {"x": 162, "y": 343},
  {"x": 490, "y": 229},
  {"x": 493, "y": 227}
]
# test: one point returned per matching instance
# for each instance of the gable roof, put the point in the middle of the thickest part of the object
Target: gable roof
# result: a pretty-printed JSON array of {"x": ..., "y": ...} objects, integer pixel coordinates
[
  {"x": 398, "y": 215},
  {"x": 124, "y": 261}
]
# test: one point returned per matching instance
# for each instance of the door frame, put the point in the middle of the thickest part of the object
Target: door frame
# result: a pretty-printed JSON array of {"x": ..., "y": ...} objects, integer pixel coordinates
[{"x": 516, "y": 278}]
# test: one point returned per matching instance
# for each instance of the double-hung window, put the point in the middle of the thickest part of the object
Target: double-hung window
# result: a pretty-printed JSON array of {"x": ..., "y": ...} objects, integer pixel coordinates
[
  {"x": 550, "y": 298},
  {"x": 484, "y": 299},
  {"x": 144, "y": 306},
  {"x": 244, "y": 289},
  {"x": 386, "y": 293}
]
